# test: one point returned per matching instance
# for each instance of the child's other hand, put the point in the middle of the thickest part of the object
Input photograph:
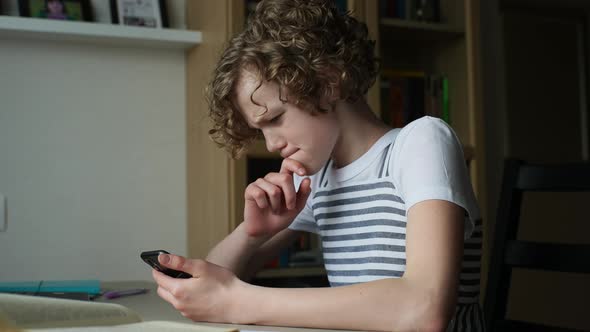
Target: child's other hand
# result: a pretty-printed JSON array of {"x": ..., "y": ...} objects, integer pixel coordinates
[{"x": 272, "y": 202}]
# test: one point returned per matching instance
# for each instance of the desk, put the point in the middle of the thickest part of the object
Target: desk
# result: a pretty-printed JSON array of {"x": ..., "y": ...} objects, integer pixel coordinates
[{"x": 151, "y": 307}]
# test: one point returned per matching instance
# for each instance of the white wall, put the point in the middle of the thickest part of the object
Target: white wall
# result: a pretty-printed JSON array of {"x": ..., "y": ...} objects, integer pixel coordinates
[{"x": 92, "y": 159}]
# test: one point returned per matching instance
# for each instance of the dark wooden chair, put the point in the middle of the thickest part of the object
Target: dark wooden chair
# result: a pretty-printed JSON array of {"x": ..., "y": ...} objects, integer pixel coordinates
[{"x": 509, "y": 253}]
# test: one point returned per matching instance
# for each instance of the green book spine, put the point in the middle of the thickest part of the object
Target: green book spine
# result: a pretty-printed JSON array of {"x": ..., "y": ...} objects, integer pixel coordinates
[{"x": 446, "y": 116}]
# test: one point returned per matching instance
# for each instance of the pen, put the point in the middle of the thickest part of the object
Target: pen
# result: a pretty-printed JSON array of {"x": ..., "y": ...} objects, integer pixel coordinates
[{"x": 125, "y": 292}]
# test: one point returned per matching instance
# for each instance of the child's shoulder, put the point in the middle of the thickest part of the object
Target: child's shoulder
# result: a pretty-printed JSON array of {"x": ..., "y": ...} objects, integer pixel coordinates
[
  {"x": 426, "y": 140},
  {"x": 426, "y": 130},
  {"x": 426, "y": 124}
]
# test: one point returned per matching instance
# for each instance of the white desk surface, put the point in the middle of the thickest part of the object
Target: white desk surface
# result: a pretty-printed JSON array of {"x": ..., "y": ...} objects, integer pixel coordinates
[{"x": 151, "y": 307}]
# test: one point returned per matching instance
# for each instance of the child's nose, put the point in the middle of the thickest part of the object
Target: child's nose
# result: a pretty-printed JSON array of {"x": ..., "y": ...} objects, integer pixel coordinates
[{"x": 273, "y": 142}]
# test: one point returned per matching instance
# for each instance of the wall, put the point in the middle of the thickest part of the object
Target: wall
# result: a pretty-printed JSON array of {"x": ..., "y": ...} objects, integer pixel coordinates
[{"x": 92, "y": 158}]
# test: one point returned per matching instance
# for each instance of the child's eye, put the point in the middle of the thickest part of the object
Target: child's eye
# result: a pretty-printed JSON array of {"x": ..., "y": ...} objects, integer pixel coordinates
[{"x": 276, "y": 118}]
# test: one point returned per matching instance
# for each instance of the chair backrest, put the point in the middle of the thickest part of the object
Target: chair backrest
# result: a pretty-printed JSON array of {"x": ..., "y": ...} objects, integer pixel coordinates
[{"x": 508, "y": 252}]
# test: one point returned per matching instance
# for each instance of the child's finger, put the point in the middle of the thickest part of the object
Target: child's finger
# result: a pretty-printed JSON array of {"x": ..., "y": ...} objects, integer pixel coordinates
[
  {"x": 166, "y": 282},
  {"x": 272, "y": 192},
  {"x": 165, "y": 294},
  {"x": 255, "y": 193},
  {"x": 292, "y": 166},
  {"x": 285, "y": 182},
  {"x": 303, "y": 193}
]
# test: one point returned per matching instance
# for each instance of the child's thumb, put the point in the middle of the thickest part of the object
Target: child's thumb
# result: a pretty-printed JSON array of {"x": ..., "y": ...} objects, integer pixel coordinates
[{"x": 174, "y": 262}]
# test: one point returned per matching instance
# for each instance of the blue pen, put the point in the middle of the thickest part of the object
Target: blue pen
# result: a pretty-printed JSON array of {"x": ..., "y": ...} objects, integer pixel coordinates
[{"x": 125, "y": 292}]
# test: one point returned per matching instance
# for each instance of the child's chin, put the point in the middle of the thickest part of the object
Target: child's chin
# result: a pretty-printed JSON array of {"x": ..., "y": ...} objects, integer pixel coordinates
[
  {"x": 310, "y": 167},
  {"x": 313, "y": 169}
]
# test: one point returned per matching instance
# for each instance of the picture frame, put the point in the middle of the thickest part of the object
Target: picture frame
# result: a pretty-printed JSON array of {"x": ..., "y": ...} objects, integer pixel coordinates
[
  {"x": 65, "y": 10},
  {"x": 141, "y": 13}
]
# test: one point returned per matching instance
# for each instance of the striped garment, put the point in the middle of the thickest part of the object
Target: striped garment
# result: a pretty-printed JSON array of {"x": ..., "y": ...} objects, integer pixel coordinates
[{"x": 362, "y": 226}]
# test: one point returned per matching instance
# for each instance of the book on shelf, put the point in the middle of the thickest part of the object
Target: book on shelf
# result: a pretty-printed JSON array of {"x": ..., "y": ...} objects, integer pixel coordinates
[
  {"x": 250, "y": 7},
  {"x": 46, "y": 314},
  {"x": 393, "y": 9},
  {"x": 416, "y": 10},
  {"x": 342, "y": 5},
  {"x": 303, "y": 253},
  {"x": 409, "y": 95}
]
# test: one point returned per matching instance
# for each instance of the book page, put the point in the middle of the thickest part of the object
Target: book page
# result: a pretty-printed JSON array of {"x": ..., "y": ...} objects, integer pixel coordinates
[
  {"x": 25, "y": 311},
  {"x": 144, "y": 326}
]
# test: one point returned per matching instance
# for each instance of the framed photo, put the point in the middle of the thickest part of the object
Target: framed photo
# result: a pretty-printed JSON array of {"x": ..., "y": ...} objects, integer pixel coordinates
[
  {"x": 70, "y": 10},
  {"x": 144, "y": 13}
]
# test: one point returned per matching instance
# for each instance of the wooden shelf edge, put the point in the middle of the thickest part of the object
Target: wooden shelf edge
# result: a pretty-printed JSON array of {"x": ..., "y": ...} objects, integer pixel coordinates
[
  {"x": 89, "y": 32},
  {"x": 415, "y": 31},
  {"x": 418, "y": 25}
]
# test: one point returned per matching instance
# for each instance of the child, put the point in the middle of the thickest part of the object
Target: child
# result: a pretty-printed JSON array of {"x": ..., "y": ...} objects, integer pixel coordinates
[{"x": 392, "y": 206}]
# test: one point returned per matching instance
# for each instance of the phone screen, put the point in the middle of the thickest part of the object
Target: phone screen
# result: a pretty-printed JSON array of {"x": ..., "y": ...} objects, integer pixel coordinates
[{"x": 151, "y": 258}]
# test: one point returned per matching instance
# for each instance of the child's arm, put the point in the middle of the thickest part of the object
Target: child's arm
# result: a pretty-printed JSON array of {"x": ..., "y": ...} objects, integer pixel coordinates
[
  {"x": 245, "y": 255},
  {"x": 271, "y": 204},
  {"x": 423, "y": 299}
]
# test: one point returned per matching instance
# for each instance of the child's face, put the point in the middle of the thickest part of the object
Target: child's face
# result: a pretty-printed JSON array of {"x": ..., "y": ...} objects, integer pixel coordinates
[{"x": 288, "y": 129}]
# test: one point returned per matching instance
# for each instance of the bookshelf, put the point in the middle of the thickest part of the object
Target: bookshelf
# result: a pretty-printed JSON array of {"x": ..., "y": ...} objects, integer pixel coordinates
[{"x": 448, "y": 47}]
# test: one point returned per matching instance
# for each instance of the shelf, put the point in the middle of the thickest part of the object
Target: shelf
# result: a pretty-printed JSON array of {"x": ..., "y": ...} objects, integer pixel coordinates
[
  {"x": 407, "y": 30},
  {"x": 292, "y": 272},
  {"x": 96, "y": 33}
]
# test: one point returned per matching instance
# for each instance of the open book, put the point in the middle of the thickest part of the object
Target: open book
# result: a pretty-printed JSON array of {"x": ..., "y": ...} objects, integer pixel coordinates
[{"x": 51, "y": 314}]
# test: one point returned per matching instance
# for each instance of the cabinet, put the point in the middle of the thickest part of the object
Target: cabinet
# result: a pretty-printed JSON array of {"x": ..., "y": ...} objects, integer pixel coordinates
[{"x": 216, "y": 183}]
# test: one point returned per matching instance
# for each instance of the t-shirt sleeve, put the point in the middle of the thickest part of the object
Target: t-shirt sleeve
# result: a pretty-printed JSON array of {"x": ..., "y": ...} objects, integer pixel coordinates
[
  {"x": 428, "y": 163},
  {"x": 305, "y": 221}
]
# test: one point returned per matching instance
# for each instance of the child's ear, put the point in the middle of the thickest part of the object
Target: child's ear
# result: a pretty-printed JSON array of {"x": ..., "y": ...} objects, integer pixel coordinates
[
  {"x": 327, "y": 102},
  {"x": 331, "y": 94}
]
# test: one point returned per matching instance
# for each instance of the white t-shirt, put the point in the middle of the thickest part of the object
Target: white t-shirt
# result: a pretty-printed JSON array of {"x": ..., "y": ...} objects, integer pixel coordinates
[
  {"x": 359, "y": 210},
  {"x": 426, "y": 162}
]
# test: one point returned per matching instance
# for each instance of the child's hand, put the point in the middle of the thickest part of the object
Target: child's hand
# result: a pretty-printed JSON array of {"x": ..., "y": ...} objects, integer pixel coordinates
[
  {"x": 210, "y": 295},
  {"x": 272, "y": 203}
]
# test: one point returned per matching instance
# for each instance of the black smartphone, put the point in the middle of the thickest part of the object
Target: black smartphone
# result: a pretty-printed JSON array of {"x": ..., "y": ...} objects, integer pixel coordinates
[{"x": 151, "y": 258}]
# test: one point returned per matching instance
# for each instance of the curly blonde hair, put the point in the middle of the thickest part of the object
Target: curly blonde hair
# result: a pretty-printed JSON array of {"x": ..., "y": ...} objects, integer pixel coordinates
[{"x": 307, "y": 46}]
